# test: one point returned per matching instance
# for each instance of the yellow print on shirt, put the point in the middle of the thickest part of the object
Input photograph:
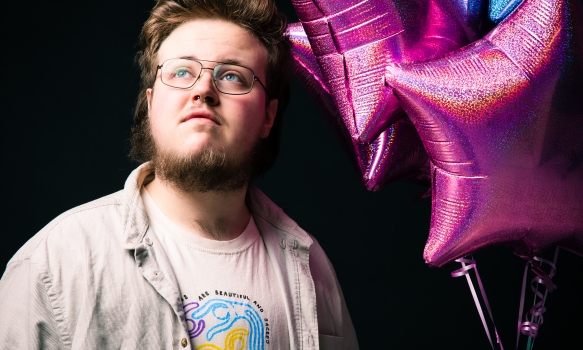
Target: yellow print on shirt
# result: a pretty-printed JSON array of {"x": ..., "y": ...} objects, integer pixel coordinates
[{"x": 237, "y": 336}]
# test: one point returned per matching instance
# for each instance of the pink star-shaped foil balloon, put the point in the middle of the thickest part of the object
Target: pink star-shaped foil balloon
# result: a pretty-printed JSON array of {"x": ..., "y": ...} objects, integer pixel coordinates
[
  {"x": 395, "y": 154},
  {"x": 341, "y": 49},
  {"x": 502, "y": 123}
]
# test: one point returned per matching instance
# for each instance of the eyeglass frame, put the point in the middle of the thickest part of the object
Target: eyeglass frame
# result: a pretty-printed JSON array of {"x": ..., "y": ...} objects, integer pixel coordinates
[{"x": 255, "y": 78}]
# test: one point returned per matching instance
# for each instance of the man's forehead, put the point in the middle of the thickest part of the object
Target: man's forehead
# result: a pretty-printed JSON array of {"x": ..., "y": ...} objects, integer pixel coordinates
[
  {"x": 215, "y": 40},
  {"x": 222, "y": 59}
]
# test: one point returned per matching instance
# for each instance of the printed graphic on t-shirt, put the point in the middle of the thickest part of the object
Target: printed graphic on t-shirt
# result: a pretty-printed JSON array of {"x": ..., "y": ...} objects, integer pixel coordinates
[{"x": 226, "y": 320}]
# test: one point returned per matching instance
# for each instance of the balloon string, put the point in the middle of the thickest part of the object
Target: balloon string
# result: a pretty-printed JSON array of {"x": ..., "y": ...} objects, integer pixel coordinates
[
  {"x": 531, "y": 326},
  {"x": 464, "y": 271},
  {"x": 530, "y": 342},
  {"x": 521, "y": 307}
]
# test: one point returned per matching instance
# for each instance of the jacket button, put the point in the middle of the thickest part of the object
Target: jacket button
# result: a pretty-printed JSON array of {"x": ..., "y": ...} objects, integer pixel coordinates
[
  {"x": 184, "y": 342},
  {"x": 148, "y": 241}
]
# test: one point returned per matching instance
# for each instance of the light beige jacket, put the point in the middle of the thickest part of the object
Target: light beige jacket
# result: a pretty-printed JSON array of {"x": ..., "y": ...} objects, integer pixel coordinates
[{"x": 88, "y": 280}]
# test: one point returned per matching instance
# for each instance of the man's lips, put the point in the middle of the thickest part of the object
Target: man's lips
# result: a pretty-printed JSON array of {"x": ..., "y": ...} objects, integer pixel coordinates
[{"x": 200, "y": 115}]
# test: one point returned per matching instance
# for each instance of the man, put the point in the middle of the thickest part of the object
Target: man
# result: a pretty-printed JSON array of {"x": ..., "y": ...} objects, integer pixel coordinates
[{"x": 187, "y": 254}]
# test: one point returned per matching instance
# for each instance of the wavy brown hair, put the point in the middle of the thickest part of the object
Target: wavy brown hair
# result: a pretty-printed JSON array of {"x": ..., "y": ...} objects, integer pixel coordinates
[{"x": 260, "y": 17}]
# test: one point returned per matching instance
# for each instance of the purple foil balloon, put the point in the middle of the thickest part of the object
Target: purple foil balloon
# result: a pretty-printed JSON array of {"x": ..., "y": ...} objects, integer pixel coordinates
[
  {"x": 343, "y": 54},
  {"x": 352, "y": 42},
  {"x": 397, "y": 153},
  {"x": 502, "y": 122}
]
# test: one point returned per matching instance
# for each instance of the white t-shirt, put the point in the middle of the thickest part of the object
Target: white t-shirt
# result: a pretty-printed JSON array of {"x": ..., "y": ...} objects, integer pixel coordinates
[{"x": 230, "y": 294}]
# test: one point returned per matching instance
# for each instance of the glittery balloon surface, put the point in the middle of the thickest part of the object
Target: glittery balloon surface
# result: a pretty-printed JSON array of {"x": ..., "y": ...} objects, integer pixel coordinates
[
  {"x": 502, "y": 123},
  {"x": 396, "y": 153},
  {"x": 341, "y": 50}
]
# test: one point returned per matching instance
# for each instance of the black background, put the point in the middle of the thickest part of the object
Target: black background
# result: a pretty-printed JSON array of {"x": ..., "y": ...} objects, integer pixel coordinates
[{"x": 69, "y": 85}]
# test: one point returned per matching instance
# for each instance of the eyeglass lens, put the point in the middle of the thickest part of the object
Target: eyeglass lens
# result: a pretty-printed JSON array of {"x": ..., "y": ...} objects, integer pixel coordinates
[{"x": 228, "y": 78}]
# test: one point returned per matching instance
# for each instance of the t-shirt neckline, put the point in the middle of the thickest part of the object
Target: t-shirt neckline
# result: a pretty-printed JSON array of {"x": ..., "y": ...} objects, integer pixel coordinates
[{"x": 162, "y": 224}]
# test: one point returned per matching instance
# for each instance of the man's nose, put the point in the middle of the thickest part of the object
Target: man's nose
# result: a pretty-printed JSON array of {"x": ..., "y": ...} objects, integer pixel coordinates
[{"x": 205, "y": 88}]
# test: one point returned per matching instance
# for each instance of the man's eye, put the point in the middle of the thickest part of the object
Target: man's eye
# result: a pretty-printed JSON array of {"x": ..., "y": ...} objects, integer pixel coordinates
[
  {"x": 231, "y": 77},
  {"x": 182, "y": 73}
]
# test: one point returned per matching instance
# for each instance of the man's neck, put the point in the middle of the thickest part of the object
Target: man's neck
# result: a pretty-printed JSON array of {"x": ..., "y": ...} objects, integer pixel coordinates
[{"x": 220, "y": 216}]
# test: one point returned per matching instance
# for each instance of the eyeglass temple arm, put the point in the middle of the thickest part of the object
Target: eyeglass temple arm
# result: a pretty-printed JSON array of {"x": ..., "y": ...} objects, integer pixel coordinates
[{"x": 259, "y": 81}]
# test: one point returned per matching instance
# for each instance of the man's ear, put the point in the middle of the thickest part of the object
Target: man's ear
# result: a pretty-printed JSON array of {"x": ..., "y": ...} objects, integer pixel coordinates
[
  {"x": 149, "y": 93},
  {"x": 270, "y": 114}
]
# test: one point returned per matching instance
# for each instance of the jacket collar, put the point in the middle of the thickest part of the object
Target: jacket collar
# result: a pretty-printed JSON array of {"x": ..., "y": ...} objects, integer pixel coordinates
[
  {"x": 134, "y": 217},
  {"x": 261, "y": 206}
]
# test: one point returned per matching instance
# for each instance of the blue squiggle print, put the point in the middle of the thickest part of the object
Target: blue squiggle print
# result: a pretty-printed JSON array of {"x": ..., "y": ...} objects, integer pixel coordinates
[{"x": 228, "y": 312}]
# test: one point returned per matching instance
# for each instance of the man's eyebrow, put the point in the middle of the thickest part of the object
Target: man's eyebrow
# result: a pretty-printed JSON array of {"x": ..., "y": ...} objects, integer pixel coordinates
[
  {"x": 230, "y": 61},
  {"x": 226, "y": 60}
]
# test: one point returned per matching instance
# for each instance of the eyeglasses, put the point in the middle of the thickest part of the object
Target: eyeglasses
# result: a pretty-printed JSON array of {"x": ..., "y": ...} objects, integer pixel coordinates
[{"x": 230, "y": 79}]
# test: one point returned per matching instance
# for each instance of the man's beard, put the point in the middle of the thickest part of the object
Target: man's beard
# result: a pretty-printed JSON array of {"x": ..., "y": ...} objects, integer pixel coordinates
[{"x": 210, "y": 170}]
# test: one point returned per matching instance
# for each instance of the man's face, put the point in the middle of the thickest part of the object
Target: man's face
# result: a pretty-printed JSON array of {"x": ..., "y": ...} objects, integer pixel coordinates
[{"x": 186, "y": 122}]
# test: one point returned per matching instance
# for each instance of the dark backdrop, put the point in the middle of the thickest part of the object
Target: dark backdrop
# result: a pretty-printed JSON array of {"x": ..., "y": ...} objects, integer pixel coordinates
[{"x": 68, "y": 90}]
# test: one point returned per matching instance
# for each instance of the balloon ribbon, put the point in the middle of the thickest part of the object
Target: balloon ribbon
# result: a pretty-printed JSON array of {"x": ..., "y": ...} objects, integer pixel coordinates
[
  {"x": 530, "y": 327},
  {"x": 467, "y": 265}
]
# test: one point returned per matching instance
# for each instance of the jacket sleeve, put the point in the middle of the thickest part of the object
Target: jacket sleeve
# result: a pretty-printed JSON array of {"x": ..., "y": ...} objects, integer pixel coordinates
[
  {"x": 334, "y": 323},
  {"x": 27, "y": 320}
]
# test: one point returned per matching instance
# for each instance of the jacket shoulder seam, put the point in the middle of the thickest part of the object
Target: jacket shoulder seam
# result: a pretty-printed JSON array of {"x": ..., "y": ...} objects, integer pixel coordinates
[{"x": 285, "y": 230}]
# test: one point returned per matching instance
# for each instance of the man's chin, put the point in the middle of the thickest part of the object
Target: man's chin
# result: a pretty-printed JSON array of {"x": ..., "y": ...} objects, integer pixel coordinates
[
  {"x": 206, "y": 170},
  {"x": 194, "y": 145}
]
